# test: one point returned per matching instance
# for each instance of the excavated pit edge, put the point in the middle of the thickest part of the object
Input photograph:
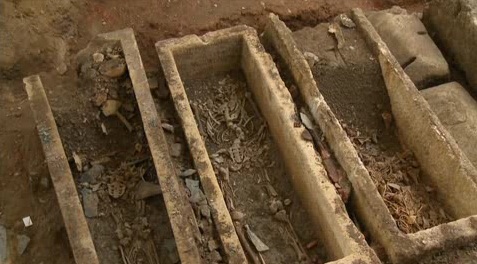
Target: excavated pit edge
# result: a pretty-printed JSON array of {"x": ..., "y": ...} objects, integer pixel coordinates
[
  {"x": 180, "y": 212},
  {"x": 76, "y": 226}
]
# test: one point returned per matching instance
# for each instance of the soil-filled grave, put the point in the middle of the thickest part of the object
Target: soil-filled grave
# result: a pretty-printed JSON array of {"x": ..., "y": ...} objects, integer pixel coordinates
[{"x": 350, "y": 79}]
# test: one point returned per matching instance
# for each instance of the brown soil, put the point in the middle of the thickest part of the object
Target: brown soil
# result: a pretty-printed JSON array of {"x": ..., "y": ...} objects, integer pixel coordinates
[
  {"x": 39, "y": 36},
  {"x": 351, "y": 82},
  {"x": 252, "y": 175}
]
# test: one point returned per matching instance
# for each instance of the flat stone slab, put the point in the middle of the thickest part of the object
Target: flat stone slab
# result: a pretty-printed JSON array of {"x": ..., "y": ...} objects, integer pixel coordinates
[
  {"x": 457, "y": 111},
  {"x": 407, "y": 39},
  {"x": 455, "y": 25}
]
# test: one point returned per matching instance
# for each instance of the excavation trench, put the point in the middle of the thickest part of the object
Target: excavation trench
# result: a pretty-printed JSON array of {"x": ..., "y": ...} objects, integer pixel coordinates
[{"x": 350, "y": 79}]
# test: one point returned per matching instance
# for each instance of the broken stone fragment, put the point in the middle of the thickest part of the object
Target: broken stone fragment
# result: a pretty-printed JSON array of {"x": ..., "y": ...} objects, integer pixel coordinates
[
  {"x": 213, "y": 245},
  {"x": 146, "y": 189},
  {"x": 215, "y": 256},
  {"x": 188, "y": 173},
  {"x": 282, "y": 216},
  {"x": 257, "y": 242},
  {"x": 22, "y": 243},
  {"x": 275, "y": 206},
  {"x": 90, "y": 203},
  {"x": 113, "y": 68},
  {"x": 78, "y": 161},
  {"x": 287, "y": 202},
  {"x": 62, "y": 68},
  {"x": 168, "y": 127},
  {"x": 237, "y": 215},
  {"x": 176, "y": 150},
  {"x": 92, "y": 175},
  {"x": 306, "y": 135},
  {"x": 311, "y": 58},
  {"x": 205, "y": 210},
  {"x": 196, "y": 194},
  {"x": 45, "y": 182}
]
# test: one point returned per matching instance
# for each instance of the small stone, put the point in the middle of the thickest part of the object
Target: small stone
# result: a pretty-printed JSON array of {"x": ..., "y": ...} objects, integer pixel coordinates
[
  {"x": 168, "y": 127},
  {"x": 176, "y": 150},
  {"x": 113, "y": 68},
  {"x": 162, "y": 90},
  {"x": 237, "y": 215},
  {"x": 188, "y": 173},
  {"x": 45, "y": 182},
  {"x": 62, "y": 68},
  {"x": 387, "y": 119},
  {"x": 78, "y": 162},
  {"x": 213, "y": 245},
  {"x": 306, "y": 135},
  {"x": 90, "y": 203},
  {"x": 346, "y": 21},
  {"x": 153, "y": 83},
  {"x": 146, "y": 189},
  {"x": 215, "y": 256},
  {"x": 271, "y": 191},
  {"x": 287, "y": 202},
  {"x": 103, "y": 128},
  {"x": 282, "y": 216},
  {"x": 205, "y": 210},
  {"x": 275, "y": 206},
  {"x": 92, "y": 175},
  {"x": 98, "y": 57},
  {"x": 196, "y": 194},
  {"x": 311, "y": 58},
  {"x": 23, "y": 242},
  {"x": 27, "y": 221}
]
